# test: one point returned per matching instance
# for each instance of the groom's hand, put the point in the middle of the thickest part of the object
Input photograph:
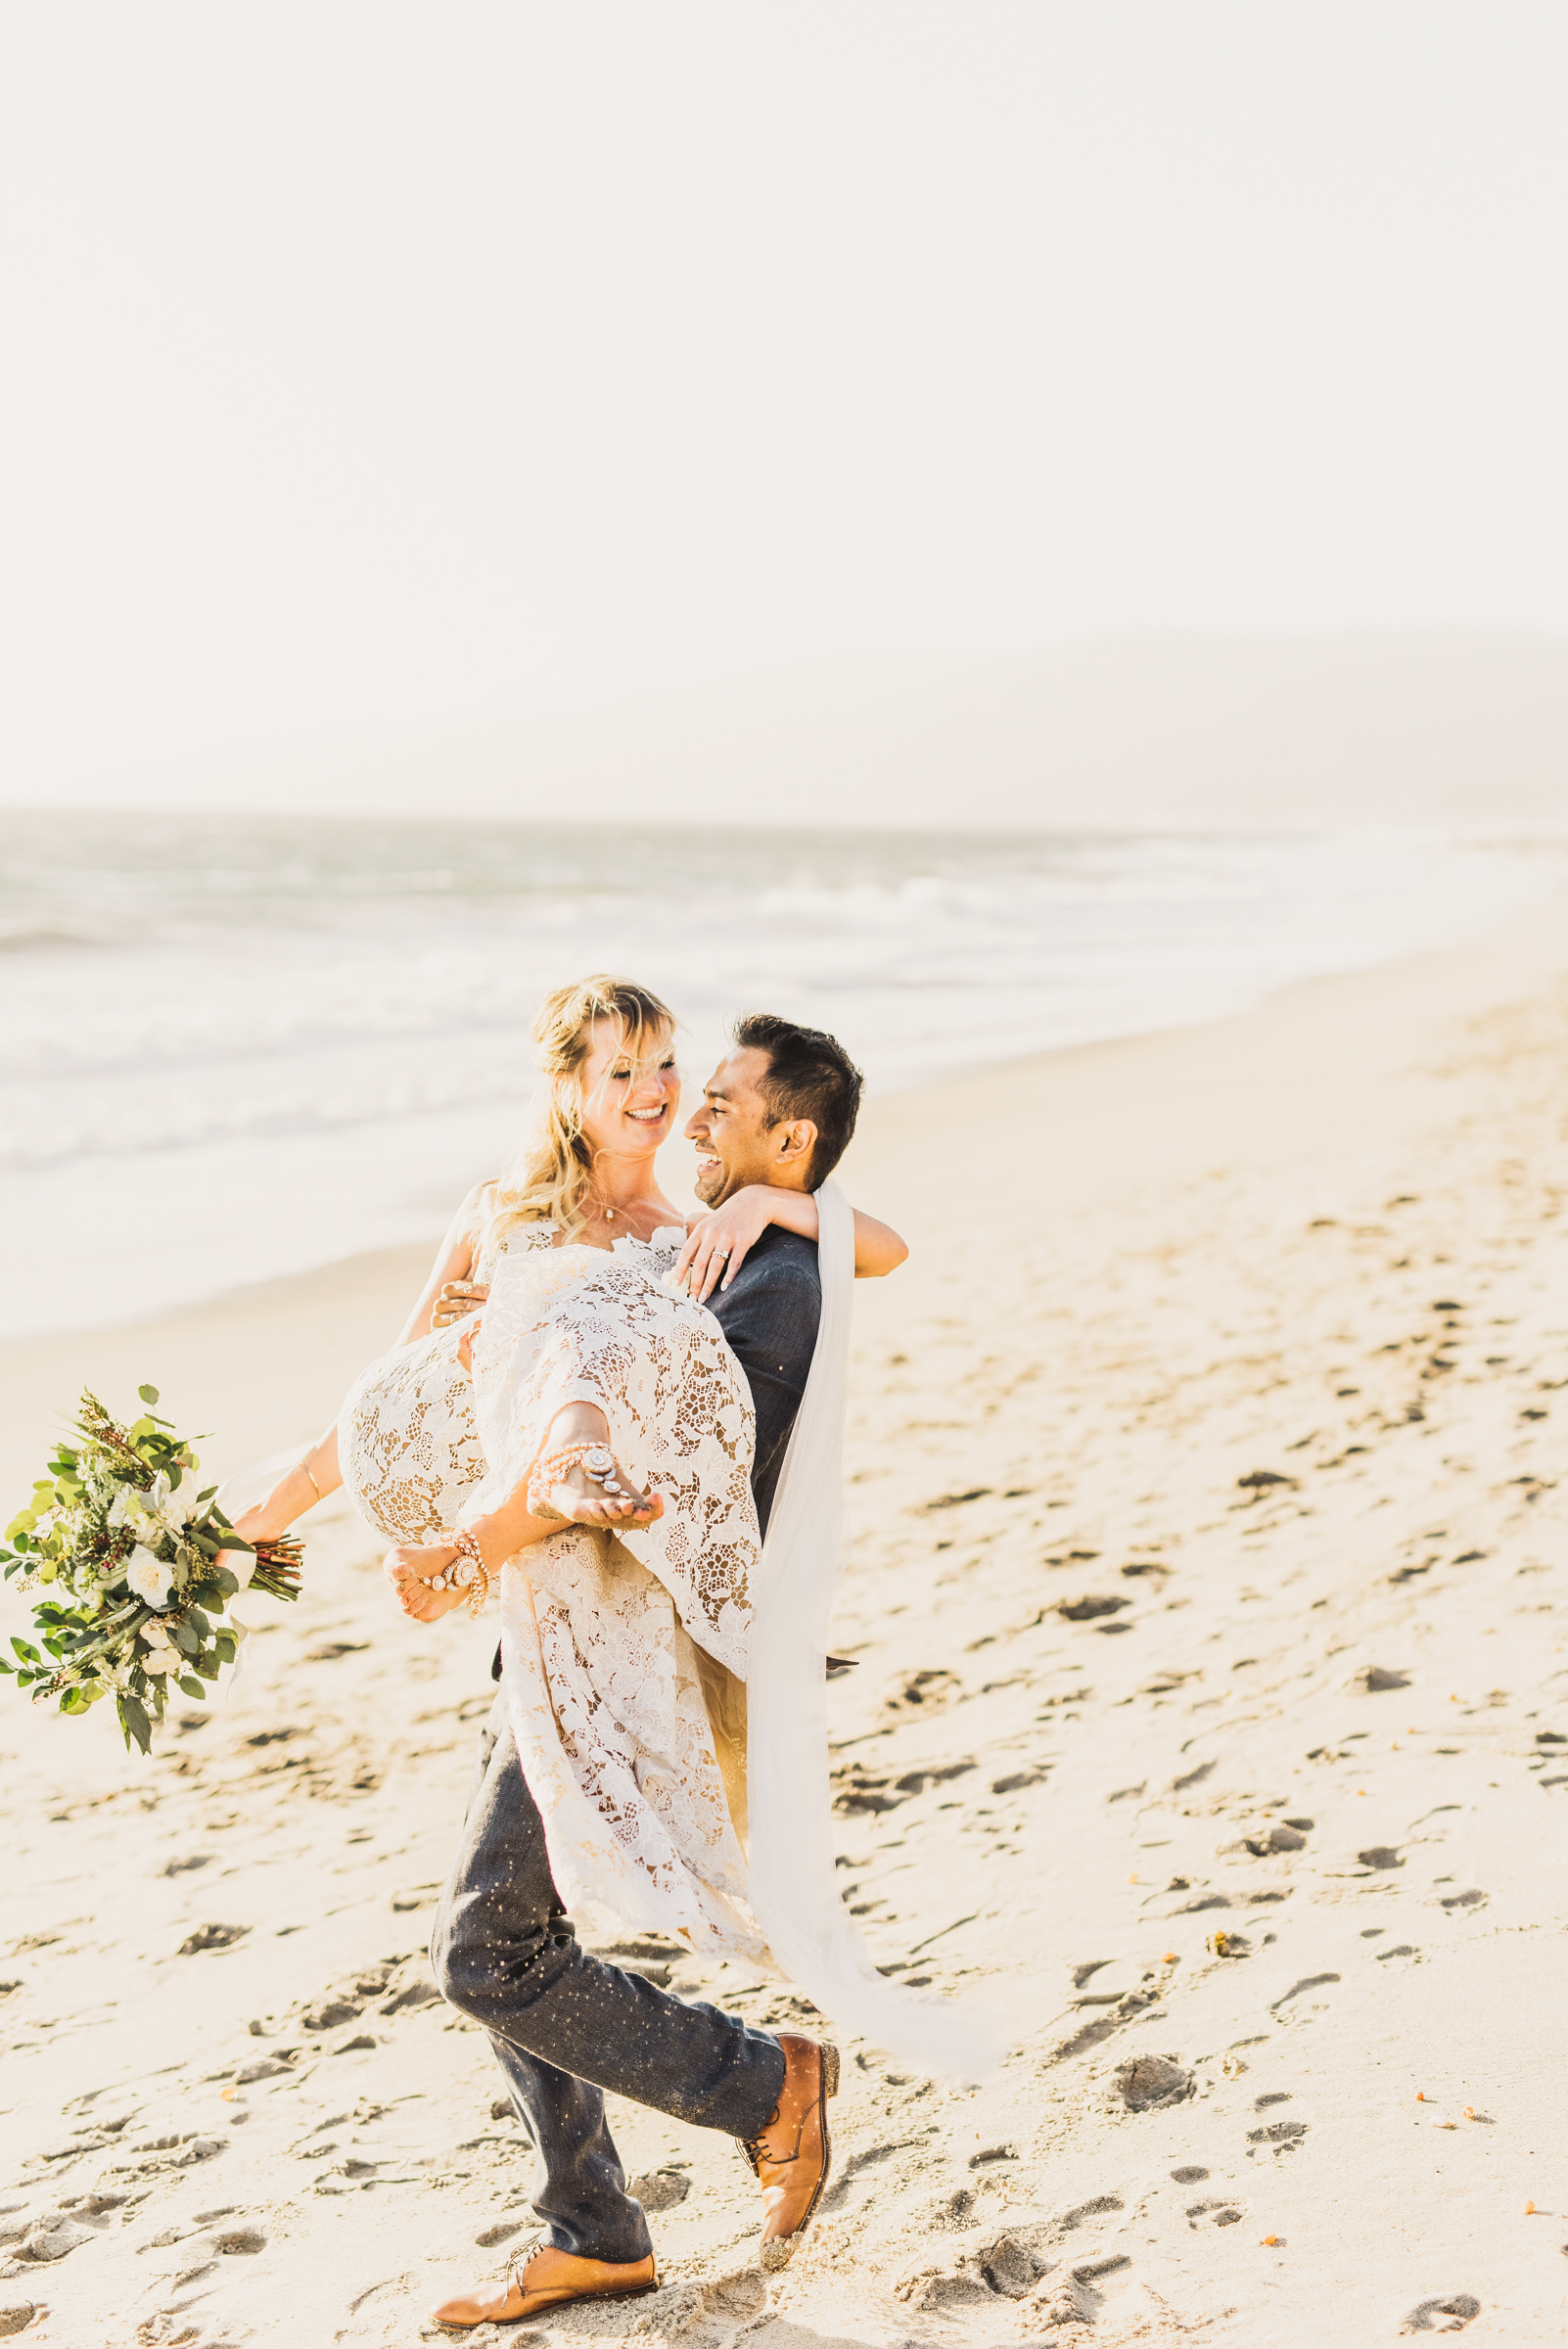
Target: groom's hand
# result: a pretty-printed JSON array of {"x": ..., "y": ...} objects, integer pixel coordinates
[
  {"x": 411, "y": 1572},
  {"x": 457, "y": 1300}
]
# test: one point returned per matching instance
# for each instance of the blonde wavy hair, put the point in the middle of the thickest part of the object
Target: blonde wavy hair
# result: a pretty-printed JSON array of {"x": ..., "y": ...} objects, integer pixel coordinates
[{"x": 553, "y": 1173}]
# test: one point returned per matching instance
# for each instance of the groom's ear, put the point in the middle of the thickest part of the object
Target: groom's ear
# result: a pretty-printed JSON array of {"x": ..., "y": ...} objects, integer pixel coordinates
[{"x": 791, "y": 1144}]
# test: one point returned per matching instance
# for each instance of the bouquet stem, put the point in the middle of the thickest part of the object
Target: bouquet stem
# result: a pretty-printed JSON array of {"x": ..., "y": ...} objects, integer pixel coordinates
[{"x": 277, "y": 1567}]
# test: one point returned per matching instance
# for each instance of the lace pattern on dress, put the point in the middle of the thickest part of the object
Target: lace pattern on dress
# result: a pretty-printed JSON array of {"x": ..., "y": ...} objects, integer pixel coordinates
[
  {"x": 585, "y": 1324},
  {"x": 600, "y": 1673},
  {"x": 605, "y": 1702},
  {"x": 598, "y": 1666},
  {"x": 407, "y": 1444}
]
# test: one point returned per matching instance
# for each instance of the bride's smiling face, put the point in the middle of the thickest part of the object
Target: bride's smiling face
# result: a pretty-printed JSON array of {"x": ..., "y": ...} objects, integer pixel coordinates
[{"x": 629, "y": 1103}]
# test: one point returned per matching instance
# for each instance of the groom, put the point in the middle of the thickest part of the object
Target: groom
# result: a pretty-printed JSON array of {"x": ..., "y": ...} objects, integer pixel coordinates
[{"x": 566, "y": 2026}]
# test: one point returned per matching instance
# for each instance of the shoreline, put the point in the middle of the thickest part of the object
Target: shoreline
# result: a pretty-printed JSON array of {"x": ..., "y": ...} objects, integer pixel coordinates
[
  {"x": 149, "y": 1223},
  {"x": 1101, "y": 1085},
  {"x": 1209, "y": 1592}
]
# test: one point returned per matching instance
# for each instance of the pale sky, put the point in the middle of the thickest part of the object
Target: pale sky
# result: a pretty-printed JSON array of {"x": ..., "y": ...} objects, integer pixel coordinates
[{"x": 370, "y": 366}]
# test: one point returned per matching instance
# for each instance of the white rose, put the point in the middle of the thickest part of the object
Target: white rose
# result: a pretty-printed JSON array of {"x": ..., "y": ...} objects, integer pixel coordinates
[
  {"x": 158, "y": 1510},
  {"x": 176, "y": 1505},
  {"x": 162, "y": 1656},
  {"x": 148, "y": 1577}
]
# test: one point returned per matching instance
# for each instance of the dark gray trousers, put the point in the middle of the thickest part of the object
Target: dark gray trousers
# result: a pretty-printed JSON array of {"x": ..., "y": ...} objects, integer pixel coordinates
[{"x": 566, "y": 2026}]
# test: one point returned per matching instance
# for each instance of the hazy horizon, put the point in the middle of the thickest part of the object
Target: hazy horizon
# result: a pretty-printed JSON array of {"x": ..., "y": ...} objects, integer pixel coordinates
[
  {"x": 1171, "y": 731},
  {"x": 404, "y": 406}
]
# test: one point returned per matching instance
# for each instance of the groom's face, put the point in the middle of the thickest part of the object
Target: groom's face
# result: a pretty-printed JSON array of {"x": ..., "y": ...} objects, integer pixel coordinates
[{"x": 735, "y": 1143}]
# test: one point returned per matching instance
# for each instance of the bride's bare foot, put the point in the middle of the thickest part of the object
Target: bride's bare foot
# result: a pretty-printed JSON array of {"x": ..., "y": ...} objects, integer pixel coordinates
[
  {"x": 597, "y": 1491},
  {"x": 578, "y": 1479}
]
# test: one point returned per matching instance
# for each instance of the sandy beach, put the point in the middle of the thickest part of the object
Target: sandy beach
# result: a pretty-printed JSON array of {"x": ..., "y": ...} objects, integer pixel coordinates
[{"x": 1208, "y": 1573}]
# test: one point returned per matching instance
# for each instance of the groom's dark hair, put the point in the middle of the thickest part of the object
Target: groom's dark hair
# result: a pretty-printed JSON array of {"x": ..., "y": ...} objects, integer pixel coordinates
[{"x": 809, "y": 1074}]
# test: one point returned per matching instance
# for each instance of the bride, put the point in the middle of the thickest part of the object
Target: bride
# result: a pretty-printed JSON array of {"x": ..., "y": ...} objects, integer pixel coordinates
[
  {"x": 558, "y": 1371},
  {"x": 563, "y": 1417}
]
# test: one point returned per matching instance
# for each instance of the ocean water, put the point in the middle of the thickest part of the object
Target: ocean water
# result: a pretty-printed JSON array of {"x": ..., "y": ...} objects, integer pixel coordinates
[{"x": 236, "y": 1048}]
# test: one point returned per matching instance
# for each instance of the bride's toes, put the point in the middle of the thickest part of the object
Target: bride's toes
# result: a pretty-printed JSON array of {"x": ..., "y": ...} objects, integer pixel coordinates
[{"x": 598, "y": 1491}]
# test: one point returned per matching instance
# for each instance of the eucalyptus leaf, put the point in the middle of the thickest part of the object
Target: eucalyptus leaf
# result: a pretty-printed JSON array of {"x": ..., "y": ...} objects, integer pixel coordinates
[{"x": 133, "y": 1719}]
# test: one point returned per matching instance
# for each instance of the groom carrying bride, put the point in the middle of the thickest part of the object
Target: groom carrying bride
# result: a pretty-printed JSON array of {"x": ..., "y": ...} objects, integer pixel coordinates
[{"x": 566, "y": 2026}]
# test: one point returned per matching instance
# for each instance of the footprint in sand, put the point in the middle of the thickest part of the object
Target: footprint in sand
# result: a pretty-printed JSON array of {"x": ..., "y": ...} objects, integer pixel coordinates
[
  {"x": 240, "y": 2243},
  {"x": 1307, "y": 1982},
  {"x": 928, "y": 1691},
  {"x": 1283, "y": 2136},
  {"x": 1088, "y": 2210},
  {"x": 1443, "y": 2315},
  {"x": 1146, "y": 2083},
  {"x": 1092, "y": 1607},
  {"x": 504, "y": 2229},
  {"x": 1215, "y": 2213},
  {"x": 660, "y": 2190}
]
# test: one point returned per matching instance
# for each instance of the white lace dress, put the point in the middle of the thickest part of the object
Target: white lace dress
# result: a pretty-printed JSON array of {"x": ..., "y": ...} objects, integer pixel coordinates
[
  {"x": 600, "y": 1633},
  {"x": 407, "y": 1444}
]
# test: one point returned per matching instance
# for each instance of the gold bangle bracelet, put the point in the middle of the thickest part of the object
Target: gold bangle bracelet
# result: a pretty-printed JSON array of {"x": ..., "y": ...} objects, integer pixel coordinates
[{"x": 314, "y": 1487}]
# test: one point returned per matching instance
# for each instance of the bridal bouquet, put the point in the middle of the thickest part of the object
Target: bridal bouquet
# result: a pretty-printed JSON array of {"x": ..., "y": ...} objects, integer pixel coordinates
[{"x": 128, "y": 1558}]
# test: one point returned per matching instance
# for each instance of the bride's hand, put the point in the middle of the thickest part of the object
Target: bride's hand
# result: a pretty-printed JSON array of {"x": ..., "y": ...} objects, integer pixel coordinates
[
  {"x": 411, "y": 1572},
  {"x": 457, "y": 1300},
  {"x": 718, "y": 1244}
]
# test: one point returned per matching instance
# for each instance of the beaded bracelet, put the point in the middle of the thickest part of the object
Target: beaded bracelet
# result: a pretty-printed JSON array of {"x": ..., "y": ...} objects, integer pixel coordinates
[
  {"x": 598, "y": 1461},
  {"x": 471, "y": 1575},
  {"x": 478, "y": 1588}
]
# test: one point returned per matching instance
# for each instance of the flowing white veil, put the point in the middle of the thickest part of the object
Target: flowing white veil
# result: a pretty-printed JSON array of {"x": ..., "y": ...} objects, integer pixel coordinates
[
  {"x": 794, "y": 1890},
  {"x": 252, "y": 1483}
]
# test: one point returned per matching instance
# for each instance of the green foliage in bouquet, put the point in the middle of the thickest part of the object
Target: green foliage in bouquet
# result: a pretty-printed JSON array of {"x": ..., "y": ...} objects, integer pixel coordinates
[{"x": 131, "y": 1560}]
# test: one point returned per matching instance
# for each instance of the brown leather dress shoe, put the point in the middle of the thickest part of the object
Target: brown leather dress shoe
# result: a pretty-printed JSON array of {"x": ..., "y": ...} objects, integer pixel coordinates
[
  {"x": 551, "y": 2279},
  {"x": 794, "y": 2153}
]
